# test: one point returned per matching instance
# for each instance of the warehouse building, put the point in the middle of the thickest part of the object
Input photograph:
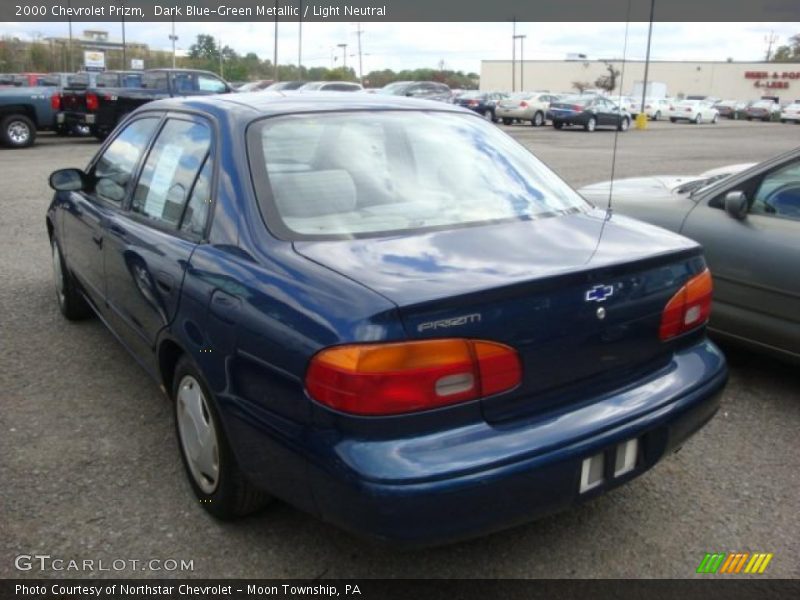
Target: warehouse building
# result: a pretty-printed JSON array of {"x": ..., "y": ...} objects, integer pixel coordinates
[{"x": 729, "y": 80}]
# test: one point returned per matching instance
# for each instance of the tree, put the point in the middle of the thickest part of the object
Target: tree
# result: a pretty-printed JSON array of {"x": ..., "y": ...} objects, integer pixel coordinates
[
  {"x": 581, "y": 86},
  {"x": 788, "y": 52},
  {"x": 608, "y": 82},
  {"x": 204, "y": 48}
]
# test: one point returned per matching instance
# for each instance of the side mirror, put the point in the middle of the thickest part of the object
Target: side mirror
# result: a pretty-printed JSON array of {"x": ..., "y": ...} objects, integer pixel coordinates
[
  {"x": 736, "y": 205},
  {"x": 69, "y": 180}
]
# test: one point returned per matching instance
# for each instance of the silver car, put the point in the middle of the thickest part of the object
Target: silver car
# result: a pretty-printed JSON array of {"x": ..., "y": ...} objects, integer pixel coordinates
[{"x": 749, "y": 225}]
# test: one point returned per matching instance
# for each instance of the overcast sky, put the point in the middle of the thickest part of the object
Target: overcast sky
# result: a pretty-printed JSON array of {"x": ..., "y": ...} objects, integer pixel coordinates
[{"x": 459, "y": 45}]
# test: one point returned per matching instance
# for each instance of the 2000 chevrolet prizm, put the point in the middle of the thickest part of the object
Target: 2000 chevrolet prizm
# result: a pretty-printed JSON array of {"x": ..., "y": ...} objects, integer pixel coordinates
[{"x": 384, "y": 312}]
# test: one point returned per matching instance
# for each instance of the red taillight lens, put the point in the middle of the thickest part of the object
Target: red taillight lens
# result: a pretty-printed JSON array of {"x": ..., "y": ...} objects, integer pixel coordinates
[
  {"x": 55, "y": 101},
  {"x": 403, "y": 377},
  {"x": 688, "y": 110},
  {"x": 688, "y": 308},
  {"x": 576, "y": 107},
  {"x": 472, "y": 103},
  {"x": 92, "y": 103},
  {"x": 523, "y": 104}
]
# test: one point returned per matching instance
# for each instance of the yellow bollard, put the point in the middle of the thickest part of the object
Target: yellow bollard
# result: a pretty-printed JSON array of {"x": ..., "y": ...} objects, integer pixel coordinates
[{"x": 641, "y": 121}]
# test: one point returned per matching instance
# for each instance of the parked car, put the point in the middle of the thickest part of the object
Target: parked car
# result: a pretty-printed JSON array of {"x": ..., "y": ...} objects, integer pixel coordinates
[
  {"x": 727, "y": 108},
  {"x": 101, "y": 108},
  {"x": 483, "y": 103},
  {"x": 284, "y": 86},
  {"x": 331, "y": 86},
  {"x": 527, "y": 107},
  {"x": 749, "y": 224},
  {"x": 429, "y": 90},
  {"x": 655, "y": 108},
  {"x": 387, "y": 312},
  {"x": 763, "y": 110},
  {"x": 24, "y": 111},
  {"x": 791, "y": 112},
  {"x": 588, "y": 111},
  {"x": 694, "y": 111},
  {"x": 255, "y": 86}
]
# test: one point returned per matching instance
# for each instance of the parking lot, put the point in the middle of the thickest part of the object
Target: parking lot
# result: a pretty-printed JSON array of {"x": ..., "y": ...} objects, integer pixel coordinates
[{"x": 90, "y": 468}]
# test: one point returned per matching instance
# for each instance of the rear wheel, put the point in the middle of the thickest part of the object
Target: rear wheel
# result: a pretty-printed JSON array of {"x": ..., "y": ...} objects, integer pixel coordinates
[
  {"x": 17, "y": 131},
  {"x": 538, "y": 119},
  {"x": 70, "y": 301},
  {"x": 698, "y": 119},
  {"x": 558, "y": 124},
  {"x": 591, "y": 124},
  {"x": 488, "y": 115},
  {"x": 714, "y": 119},
  {"x": 508, "y": 121},
  {"x": 783, "y": 120},
  {"x": 673, "y": 120},
  {"x": 624, "y": 124},
  {"x": 214, "y": 474}
]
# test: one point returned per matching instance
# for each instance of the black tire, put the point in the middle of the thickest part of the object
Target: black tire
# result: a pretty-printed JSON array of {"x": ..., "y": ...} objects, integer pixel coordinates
[
  {"x": 234, "y": 496},
  {"x": 99, "y": 134},
  {"x": 558, "y": 124},
  {"x": 17, "y": 131},
  {"x": 538, "y": 119},
  {"x": 783, "y": 120},
  {"x": 765, "y": 119},
  {"x": 508, "y": 121},
  {"x": 70, "y": 301},
  {"x": 749, "y": 118},
  {"x": 673, "y": 120}
]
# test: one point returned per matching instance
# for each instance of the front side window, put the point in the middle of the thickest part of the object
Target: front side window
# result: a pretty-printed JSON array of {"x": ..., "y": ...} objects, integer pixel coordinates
[
  {"x": 340, "y": 175},
  {"x": 115, "y": 168},
  {"x": 778, "y": 195},
  {"x": 206, "y": 83},
  {"x": 170, "y": 171}
]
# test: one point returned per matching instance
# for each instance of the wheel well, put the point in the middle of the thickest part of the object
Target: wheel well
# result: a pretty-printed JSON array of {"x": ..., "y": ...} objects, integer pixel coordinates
[
  {"x": 18, "y": 110},
  {"x": 168, "y": 355}
]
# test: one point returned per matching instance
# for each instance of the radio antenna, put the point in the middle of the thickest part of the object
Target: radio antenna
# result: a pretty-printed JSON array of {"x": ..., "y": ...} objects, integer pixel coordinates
[{"x": 616, "y": 132}]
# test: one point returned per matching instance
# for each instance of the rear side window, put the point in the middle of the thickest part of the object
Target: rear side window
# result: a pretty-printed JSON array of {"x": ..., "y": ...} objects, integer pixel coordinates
[
  {"x": 196, "y": 213},
  {"x": 170, "y": 171},
  {"x": 155, "y": 81},
  {"x": 114, "y": 169}
]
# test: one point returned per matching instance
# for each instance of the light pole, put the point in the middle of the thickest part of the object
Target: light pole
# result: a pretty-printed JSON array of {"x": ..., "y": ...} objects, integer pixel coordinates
[
  {"x": 275, "y": 54},
  {"x": 359, "y": 31},
  {"x": 514, "y": 56},
  {"x": 300, "y": 44},
  {"x": 69, "y": 46},
  {"x": 641, "y": 118},
  {"x": 173, "y": 38},
  {"x": 344, "y": 54},
  {"x": 124, "y": 53},
  {"x": 521, "y": 39}
]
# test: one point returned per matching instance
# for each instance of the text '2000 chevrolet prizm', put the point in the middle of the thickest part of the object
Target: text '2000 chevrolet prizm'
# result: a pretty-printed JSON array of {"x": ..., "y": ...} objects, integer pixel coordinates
[{"x": 384, "y": 312}]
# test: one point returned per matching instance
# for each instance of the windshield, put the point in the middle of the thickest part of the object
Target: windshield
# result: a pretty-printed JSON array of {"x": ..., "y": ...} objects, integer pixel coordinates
[{"x": 342, "y": 175}]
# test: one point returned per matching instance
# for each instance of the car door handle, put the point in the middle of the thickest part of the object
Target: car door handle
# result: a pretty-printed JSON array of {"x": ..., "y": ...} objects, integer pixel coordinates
[
  {"x": 98, "y": 239},
  {"x": 118, "y": 231},
  {"x": 165, "y": 282}
]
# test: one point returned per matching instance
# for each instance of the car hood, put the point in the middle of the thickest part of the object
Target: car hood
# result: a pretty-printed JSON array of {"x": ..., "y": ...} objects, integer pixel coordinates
[{"x": 428, "y": 266}]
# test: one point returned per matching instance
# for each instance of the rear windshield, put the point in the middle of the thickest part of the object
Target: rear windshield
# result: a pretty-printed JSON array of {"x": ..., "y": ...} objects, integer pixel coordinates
[{"x": 365, "y": 174}]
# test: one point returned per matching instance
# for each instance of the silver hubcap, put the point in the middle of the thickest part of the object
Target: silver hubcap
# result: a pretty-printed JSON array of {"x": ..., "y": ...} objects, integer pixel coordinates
[
  {"x": 58, "y": 274},
  {"x": 624, "y": 124},
  {"x": 537, "y": 119},
  {"x": 18, "y": 132},
  {"x": 591, "y": 124},
  {"x": 198, "y": 434}
]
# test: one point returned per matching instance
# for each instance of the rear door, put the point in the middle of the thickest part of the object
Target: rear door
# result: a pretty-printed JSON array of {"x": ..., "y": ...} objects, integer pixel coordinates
[
  {"x": 150, "y": 244},
  {"x": 755, "y": 261}
]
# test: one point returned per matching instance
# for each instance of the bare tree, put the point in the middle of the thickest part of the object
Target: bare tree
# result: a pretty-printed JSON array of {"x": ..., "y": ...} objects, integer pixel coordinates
[{"x": 608, "y": 82}]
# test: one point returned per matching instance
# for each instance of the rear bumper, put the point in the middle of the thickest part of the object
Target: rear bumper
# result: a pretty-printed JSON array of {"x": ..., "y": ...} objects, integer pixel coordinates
[
  {"x": 75, "y": 118},
  {"x": 475, "y": 479}
]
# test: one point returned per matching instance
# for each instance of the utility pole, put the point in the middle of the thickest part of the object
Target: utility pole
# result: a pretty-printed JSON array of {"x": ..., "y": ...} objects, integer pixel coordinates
[
  {"x": 173, "y": 38},
  {"x": 275, "y": 54},
  {"x": 300, "y": 44},
  {"x": 514, "y": 56},
  {"x": 770, "y": 39},
  {"x": 124, "y": 52},
  {"x": 359, "y": 31},
  {"x": 221, "y": 72},
  {"x": 69, "y": 46},
  {"x": 521, "y": 39},
  {"x": 344, "y": 54}
]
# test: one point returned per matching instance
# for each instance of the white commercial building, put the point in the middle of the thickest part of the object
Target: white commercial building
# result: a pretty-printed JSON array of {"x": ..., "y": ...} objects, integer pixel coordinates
[{"x": 729, "y": 80}]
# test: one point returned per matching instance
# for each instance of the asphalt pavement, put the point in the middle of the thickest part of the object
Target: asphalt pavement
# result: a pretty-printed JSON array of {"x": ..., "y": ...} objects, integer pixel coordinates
[{"x": 89, "y": 466}]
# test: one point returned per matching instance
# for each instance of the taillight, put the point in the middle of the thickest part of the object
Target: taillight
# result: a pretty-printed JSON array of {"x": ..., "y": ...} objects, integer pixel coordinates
[
  {"x": 576, "y": 107},
  {"x": 689, "y": 308},
  {"x": 55, "y": 101},
  {"x": 92, "y": 103},
  {"x": 472, "y": 103},
  {"x": 523, "y": 104},
  {"x": 688, "y": 110},
  {"x": 403, "y": 377}
]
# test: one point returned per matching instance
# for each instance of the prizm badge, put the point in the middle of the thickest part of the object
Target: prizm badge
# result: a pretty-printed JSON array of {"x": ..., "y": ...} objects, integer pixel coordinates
[
  {"x": 452, "y": 322},
  {"x": 599, "y": 293}
]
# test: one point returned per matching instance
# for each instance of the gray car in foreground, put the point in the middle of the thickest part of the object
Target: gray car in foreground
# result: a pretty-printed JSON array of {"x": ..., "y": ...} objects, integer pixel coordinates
[{"x": 749, "y": 223}]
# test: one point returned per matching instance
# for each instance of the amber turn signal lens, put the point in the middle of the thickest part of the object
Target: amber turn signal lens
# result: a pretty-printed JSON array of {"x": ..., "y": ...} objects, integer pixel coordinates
[{"x": 689, "y": 308}]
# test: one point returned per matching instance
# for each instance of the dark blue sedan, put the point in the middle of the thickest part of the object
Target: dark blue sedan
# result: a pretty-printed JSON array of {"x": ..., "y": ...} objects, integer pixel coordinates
[{"x": 385, "y": 312}]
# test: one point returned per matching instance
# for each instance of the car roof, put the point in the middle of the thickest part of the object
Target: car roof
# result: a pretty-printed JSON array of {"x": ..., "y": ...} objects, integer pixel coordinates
[{"x": 253, "y": 105}]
